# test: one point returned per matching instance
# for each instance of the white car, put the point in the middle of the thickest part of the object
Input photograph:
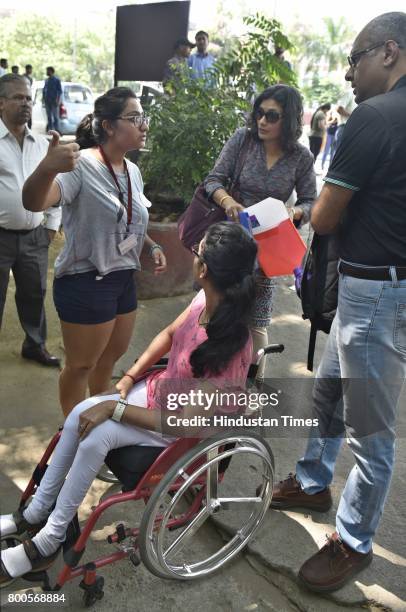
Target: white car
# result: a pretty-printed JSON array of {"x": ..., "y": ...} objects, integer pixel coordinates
[{"x": 76, "y": 101}]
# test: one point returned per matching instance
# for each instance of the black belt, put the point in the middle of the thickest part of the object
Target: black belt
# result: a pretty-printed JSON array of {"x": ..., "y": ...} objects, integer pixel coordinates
[
  {"x": 21, "y": 232},
  {"x": 372, "y": 273}
]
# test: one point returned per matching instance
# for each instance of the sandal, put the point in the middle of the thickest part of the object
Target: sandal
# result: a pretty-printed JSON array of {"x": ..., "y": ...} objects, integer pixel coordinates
[
  {"x": 23, "y": 526},
  {"x": 39, "y": 563},
  {"x": 5, "y": 578}
]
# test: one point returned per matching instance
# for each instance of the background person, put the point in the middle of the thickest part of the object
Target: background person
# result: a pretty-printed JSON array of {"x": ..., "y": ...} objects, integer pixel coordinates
[
  {"x": 28, "y": 74},
  {"x": 24, "y": 236},
  {"x": 3, "y": 66},
  {"x": 15, "y": 69},
  {"x": 51, "y": 95},
  {"x": 318, "y": 129},
  {"x": 331, "y": 128},
  {"x": 202, "y": 61},
  {"x": 209, "y": 341},
  {"x": 178, "y": 64},
  {"x": 275, "y": 164},
  {"x": 105, "y": 217}
]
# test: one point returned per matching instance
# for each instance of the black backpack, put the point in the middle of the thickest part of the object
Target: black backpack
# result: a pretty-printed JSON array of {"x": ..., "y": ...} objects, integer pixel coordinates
[{"x": 319, "y": 287}]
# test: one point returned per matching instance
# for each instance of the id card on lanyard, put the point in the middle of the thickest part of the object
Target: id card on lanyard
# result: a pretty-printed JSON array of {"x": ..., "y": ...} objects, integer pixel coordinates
[{"x": 129, "y": 207}]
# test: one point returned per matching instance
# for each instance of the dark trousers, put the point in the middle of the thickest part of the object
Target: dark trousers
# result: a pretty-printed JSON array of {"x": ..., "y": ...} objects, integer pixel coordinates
[
  {"x": 26, "y": 255},
  {"x": 52, "y": 116},
  {"x": 315, "y": 145}
]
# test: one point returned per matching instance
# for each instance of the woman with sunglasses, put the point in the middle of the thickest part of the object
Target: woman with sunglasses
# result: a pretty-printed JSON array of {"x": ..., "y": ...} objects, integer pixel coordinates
[
  {"x": 210, "y": 348},
  {"x": 274, "y": 164},
  {"x": 105, "y": 217}
]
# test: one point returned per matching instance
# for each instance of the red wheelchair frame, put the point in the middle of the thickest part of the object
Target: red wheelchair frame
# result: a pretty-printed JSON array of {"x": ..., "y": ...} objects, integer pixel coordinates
[{"x": 91, "y": 583}]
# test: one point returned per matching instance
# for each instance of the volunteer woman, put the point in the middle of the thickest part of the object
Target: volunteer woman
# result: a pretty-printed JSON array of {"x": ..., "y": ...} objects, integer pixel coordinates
[{"x": 105, "y": 220}]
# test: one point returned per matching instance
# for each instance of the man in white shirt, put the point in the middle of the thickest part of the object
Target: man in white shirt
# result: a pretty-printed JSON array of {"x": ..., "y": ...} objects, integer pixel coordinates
[
  {"x": 24, "y": 236},
  {"x": 3, "y": 66}
]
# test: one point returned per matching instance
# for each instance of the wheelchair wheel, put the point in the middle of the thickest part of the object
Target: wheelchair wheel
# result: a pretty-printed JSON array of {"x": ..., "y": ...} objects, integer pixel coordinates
[
  {"x": 9, "y": 541},
  {"x": 165, "y": 540}
]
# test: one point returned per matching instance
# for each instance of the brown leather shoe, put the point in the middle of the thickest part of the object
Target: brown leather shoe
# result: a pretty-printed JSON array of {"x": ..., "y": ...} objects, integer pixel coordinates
[
  {"x": 289, "y": 494},
  {"x": 41, "y": 355},
  {"x": 333, "y": 566}
]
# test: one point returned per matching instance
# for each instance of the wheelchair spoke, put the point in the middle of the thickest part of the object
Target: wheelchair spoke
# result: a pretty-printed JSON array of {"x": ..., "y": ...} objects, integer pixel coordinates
[
  {"x": 239, "y": 500},
  {"x": 212, "y": 480},
  {"x": 188, "y": 532}
]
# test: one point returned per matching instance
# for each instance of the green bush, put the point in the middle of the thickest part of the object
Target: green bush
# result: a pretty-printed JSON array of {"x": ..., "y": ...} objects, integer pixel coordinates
[{"x": 187, "y": 131}]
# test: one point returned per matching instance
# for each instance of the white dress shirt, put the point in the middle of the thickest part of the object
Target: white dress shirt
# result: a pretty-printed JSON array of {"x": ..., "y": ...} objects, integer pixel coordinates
[{"x": 16, "y": 165}]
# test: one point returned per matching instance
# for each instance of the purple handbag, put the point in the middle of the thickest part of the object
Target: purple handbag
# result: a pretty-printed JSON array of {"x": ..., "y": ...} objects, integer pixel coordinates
[{"x": 201, "y": 212}]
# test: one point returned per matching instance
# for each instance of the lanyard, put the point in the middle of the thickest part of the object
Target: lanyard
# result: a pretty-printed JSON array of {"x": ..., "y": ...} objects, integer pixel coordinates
[{"x": 129, "y": 207}]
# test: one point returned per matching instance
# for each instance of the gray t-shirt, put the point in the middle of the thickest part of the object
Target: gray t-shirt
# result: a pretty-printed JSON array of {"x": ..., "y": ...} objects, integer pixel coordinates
[{"x": 94, "y": 220}]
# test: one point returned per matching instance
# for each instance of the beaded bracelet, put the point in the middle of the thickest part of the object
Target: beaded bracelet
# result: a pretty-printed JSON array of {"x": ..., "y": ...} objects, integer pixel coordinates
[{"x": 155, "y": 246}]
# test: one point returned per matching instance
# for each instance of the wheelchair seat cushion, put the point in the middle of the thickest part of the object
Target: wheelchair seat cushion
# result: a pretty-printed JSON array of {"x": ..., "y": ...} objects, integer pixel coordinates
[{"x": 129, "y": 463}]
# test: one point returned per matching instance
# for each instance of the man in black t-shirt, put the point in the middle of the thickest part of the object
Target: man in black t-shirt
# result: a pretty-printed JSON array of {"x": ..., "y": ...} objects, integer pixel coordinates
[{"x": 364, "y": 195}]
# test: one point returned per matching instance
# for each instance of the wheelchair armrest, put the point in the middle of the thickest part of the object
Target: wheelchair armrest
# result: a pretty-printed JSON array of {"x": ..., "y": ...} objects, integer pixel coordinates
[{"x": 271, "y": 348}]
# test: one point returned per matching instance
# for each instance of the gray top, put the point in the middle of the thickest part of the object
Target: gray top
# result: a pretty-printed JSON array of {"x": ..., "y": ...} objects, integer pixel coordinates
[
  {"x": 292, "y": 171},
  {"x": 94, "y": 220}
]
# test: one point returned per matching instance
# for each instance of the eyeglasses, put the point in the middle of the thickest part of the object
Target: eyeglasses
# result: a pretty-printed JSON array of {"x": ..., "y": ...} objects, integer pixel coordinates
[
  {"x": 137, "y": 120},
  {"x": 271, "y": 116},
  {"x": 354, "y": 58}
]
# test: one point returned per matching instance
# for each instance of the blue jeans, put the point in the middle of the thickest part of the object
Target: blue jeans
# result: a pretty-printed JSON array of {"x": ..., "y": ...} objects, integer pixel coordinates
[
  {"x": 358, "y": 385},
  {"x": 52, "y": 116}
]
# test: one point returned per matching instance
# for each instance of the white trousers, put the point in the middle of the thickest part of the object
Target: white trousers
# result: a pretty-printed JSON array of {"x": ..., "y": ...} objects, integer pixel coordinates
[{"x": 83, "y": 460}]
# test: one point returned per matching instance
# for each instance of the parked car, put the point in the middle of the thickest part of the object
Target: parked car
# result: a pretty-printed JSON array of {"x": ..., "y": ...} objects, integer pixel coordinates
[{"x": 76, "y": 102}]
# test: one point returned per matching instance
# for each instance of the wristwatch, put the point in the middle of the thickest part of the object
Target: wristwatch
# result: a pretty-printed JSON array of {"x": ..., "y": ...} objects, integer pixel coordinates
[{"x": 119, "y": 409}]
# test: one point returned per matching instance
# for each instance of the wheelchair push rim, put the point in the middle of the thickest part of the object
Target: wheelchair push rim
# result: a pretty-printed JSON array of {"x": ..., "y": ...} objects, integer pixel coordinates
[{"x": 156, "y": 554}]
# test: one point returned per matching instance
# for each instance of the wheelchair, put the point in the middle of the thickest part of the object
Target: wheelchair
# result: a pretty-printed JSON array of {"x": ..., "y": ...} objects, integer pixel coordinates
[{"x": 182, "y": 486}]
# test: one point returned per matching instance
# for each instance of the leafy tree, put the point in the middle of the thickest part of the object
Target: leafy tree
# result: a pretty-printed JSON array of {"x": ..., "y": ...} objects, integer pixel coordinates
[
  {"x": 251, "y": 66},
  {"x": 42, "y": 41},
  {"x": 320, "y": 91},
  {"x": 330, "y": 48}
]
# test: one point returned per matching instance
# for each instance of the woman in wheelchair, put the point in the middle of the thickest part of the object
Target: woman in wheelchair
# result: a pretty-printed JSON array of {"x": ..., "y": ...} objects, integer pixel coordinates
[{"x": 210, "y": 340}]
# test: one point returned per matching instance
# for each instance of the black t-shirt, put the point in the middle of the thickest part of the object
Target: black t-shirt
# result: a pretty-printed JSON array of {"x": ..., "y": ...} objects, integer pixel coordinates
[{"x": 371, "y": 160}]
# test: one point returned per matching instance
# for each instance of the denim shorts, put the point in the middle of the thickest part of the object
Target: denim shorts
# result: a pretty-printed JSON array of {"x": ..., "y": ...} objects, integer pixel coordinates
[{"x": 80, "y": 298}]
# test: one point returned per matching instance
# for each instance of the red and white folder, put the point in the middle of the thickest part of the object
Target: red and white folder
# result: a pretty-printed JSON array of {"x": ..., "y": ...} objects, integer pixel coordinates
[{"x": 280, "y": 246}]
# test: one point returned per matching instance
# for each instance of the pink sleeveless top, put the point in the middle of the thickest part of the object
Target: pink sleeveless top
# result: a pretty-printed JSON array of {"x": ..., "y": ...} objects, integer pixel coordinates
[{"x": 178, "y": 376}]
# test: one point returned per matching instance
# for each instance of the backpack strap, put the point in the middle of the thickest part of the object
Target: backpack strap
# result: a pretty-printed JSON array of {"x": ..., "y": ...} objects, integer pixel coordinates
[{"x": 312, "y": 346}]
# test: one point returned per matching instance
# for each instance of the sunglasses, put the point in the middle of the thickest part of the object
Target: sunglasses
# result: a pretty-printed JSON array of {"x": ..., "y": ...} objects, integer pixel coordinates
[
  {"x": 354, "y": 58},
  {"x": 137, "y": 120},
  {"x": 271, "y": 116}
]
